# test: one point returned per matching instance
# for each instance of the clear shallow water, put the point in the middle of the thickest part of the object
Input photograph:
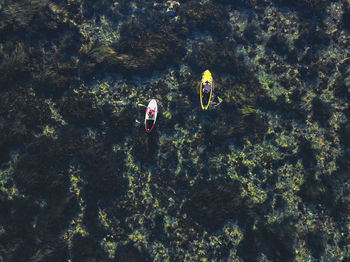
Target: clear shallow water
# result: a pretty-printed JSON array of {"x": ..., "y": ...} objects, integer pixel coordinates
[{"x": 262, "y": 176}]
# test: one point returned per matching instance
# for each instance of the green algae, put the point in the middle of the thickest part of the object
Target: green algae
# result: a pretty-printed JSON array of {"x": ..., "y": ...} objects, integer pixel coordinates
[
  {"x": 76, "y": 225},
  {"x": 105, "y": 31},
  {"x": 244, "y": 100},
  {"x": 160, "y": 252},
  {"x": 6, "y": 176}
]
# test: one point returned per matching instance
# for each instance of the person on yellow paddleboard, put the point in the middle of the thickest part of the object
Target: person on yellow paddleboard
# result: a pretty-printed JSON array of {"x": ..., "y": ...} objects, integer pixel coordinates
[
  {"x": 206, "y": 87},
  {"x": 207, "y": 95}
]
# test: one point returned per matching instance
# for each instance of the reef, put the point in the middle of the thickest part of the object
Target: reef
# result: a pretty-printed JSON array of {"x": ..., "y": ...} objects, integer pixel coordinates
[{"x": 263, "y": 176}]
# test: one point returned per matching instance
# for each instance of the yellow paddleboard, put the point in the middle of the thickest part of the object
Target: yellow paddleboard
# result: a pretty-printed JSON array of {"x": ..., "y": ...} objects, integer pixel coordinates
[{"x": 205, "y": 98}]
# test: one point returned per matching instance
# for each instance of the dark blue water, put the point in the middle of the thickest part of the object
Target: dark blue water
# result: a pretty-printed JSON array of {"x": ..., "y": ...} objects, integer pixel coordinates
[{"x": 260, "y": 176}]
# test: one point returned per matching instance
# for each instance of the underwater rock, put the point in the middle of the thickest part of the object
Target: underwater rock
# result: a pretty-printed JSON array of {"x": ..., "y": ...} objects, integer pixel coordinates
[
  {"x": 80, "y": 108},
  {"x": 204, "y": 16},
  {"x": 309, "y": 57},
  {"x": 255, "y": 127},
  {"x": 87, "y": 249},
  {"x": 56, "y": 216},
  {"x": 344, "y": 135},
  {"x": 46, "y": 176},
  {"x": 309, "y": 72},
  {"x": 101, "y": 181},
  {"x": 211, "y": 203},
  {"x": 316, "y": 243},
  {"x": 341, "y": 210},
  {"x": 310, "y": 35},
  {"x": 16, "y": 228},
  {"x": 295, "y": 111},
  {"x": 346, "y": 19},
  {"x": 26, "y": 12},
  {"x": 275, "y": 240},
  {"x": 278, "y": 44},
  {"x": 43, "y": 175},
  {"x": 94, "y": 8},
  {"x": 150, "y": 50},
  {"x": 243, "y": 3},
  {"x": 240, "y": 127},
  {"x": 45, "y": 56},
  {"x": 121, "y": 122},
  {"x": 306, "y": 8},
  {"x": 321, "y": 112},
  {"x": 21, "y": 114},
  {"x": 318, "y": 191},
  {"x": 109, "y": 181},
  {"x": 47, "y": 184},
  {"x": 14, "y": 64},
  {"x": 129, "y": 253},
  {"x": 307, "y": 154},
  {"x": 251, "y": 33},
  {"x": 212, "y": 54},
  {"x": 342, "y": 86},
  {"x": 145, "y": 148}
]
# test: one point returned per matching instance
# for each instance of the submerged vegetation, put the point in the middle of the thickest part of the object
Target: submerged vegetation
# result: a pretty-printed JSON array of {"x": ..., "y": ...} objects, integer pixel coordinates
[{"x": 262, "y": 177}]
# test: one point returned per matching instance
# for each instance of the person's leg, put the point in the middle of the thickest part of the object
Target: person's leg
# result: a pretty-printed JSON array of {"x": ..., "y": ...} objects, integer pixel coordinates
[{"x": 212, "y": 102}]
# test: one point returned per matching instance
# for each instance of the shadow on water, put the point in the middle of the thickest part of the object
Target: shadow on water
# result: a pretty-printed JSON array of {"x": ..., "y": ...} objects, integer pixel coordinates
[{"x": 145, "y": 145}]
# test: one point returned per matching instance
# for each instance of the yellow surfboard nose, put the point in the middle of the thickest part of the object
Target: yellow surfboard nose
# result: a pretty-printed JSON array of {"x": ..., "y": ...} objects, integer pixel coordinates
[{"x": 207, "y": 76}]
